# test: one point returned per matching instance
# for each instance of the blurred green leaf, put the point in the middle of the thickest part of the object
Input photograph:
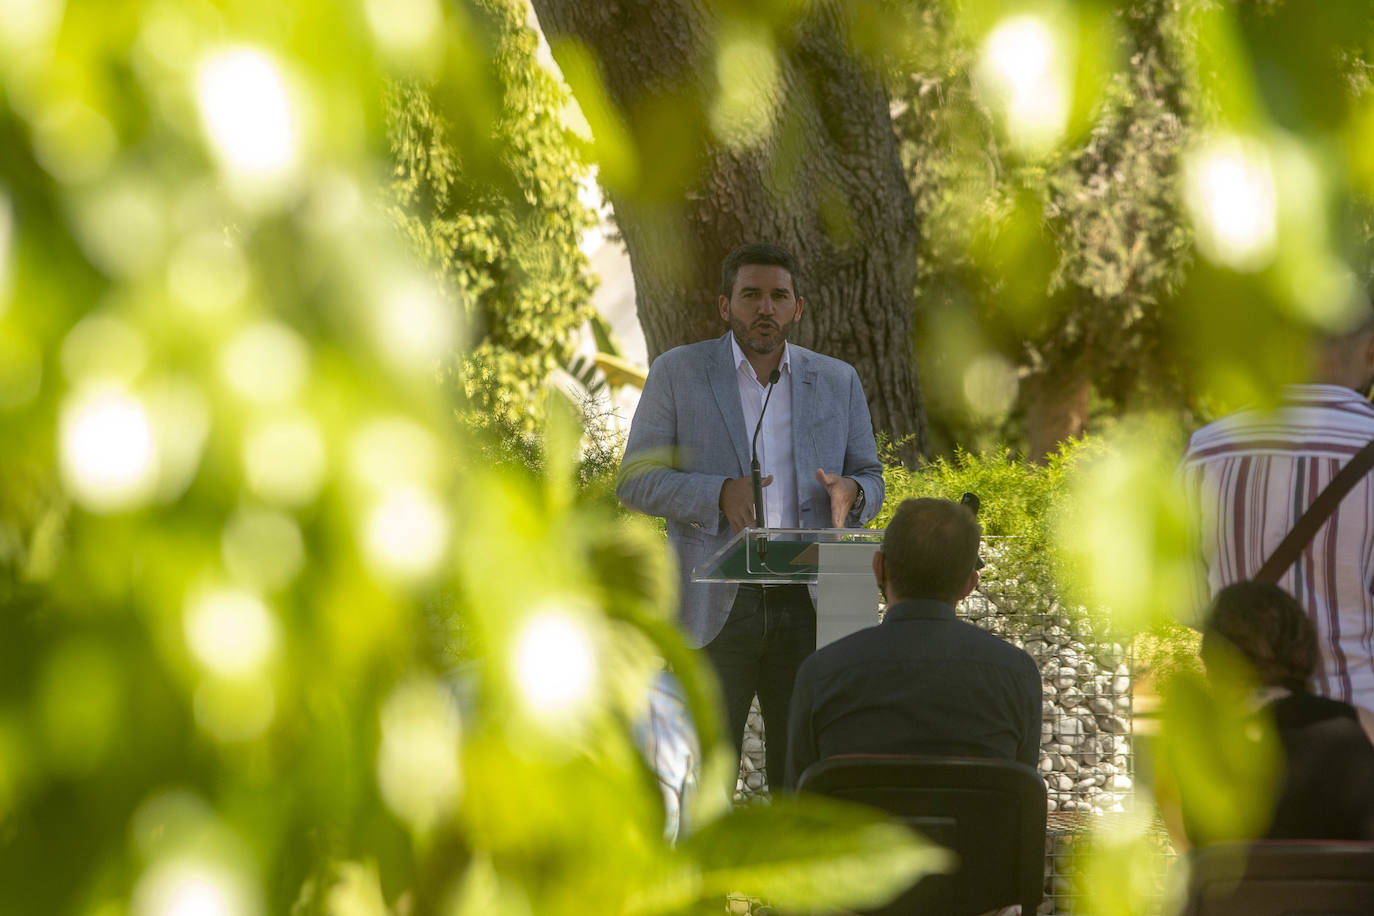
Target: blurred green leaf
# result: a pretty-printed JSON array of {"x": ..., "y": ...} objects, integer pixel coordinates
[
  {"x": 321, "y": 343},
  {"x": 1223, "y": 761},
  {"x": 808, "y": 852}
]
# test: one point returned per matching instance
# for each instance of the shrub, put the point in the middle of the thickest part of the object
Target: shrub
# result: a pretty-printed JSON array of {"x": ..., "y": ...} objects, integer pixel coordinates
[{"x": 1019, "y": 502}]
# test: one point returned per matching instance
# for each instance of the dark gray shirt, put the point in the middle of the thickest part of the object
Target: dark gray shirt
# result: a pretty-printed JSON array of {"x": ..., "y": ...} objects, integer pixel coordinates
[{"x": 920, "y": 682}]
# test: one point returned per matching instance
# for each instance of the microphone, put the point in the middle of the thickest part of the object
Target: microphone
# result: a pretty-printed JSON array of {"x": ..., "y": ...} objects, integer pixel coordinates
[
  {"x": 759, "y": 519},
  {"x": 973, "y": 503}
]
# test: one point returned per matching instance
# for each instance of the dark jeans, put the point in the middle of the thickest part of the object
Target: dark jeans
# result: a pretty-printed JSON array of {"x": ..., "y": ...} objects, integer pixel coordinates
[{"x": 770, "y": 632}]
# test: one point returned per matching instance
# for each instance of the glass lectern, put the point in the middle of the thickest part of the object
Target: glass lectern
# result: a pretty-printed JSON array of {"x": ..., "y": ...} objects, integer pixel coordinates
[{"x": 836, "y": 562}]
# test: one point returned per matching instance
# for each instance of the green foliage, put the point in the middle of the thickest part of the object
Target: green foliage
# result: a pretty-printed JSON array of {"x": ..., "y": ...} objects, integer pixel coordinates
[
  {"x": 276, "y": 635},
  {"x": 498, "y": 442},
  {"x": 1115, "y": 208},
  {"x": 1082, "y": 265},
  {"x": 503, "y": 237},
  {"x": 950, "y": 153},
  {"x": 1061, "y": 266},
  {"x": 812, "y": 871},
  {"x": 1222, "y": 760},
  {"x": 1019, "y": 502},
  {"x": 1167, "y": 651}
]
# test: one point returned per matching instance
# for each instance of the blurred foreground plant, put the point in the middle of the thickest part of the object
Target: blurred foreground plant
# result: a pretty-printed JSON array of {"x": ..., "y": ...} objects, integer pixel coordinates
[{"x": 273, "y": 636}]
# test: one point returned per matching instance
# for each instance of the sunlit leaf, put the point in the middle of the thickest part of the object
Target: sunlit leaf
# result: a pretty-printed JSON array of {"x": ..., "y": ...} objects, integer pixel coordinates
[{"x": 811, "y": 852}]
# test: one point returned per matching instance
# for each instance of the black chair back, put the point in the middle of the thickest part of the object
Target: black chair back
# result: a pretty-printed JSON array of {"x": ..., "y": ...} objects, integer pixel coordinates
[
  {"x": 991, "y": 813},
  {"x": 1282, "y": 878}
]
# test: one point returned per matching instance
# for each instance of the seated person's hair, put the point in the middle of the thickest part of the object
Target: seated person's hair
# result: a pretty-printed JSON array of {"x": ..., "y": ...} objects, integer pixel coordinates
[
  {"x": 1268, "y": 628},
  {"x": 931, "y": 548}
]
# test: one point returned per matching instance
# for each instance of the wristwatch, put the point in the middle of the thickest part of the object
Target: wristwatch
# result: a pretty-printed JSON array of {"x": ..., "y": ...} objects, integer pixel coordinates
[{"x": 859, "y": 500}]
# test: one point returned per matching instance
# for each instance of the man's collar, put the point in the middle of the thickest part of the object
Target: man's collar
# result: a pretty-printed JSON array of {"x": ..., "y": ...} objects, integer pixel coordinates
[
  {"x": 740, "y": 358},
  {"x": 920, "y": 609}
]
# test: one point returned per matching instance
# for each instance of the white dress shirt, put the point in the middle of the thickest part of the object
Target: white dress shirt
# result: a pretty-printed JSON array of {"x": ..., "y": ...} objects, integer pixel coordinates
[{"x": 776, "y": 453}]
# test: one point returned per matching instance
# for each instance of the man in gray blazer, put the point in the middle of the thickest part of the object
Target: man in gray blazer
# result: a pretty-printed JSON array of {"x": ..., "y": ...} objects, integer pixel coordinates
[{"x": 688, "y": 458}]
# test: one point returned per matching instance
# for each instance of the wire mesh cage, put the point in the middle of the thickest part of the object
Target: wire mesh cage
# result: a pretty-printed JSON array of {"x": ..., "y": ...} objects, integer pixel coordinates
[{"x": 1087, "y": 740}]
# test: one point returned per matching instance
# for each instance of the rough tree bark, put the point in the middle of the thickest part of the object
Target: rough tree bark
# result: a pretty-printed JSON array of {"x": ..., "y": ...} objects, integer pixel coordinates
[
  {"x": 827, "y": 183},
  {"x": 1056, "y": 405}
]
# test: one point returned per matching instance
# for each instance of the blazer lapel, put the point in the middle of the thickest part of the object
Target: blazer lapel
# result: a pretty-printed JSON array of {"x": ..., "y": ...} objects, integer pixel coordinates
[
  {"x": 803, "y": 416},
  {"x": 725, "y": 387}
]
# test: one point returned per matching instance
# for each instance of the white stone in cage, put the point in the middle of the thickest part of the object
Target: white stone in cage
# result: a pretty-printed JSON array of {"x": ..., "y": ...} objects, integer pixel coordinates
[
  {"x": 1114, "y": 724},
  {"x": 1070, "y": 732}
]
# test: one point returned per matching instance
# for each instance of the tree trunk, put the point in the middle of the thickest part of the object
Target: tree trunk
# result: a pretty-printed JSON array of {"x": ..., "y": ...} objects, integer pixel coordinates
[
  {"x": 1056, "y": 408},
  {"x": 826, "y": 183}
]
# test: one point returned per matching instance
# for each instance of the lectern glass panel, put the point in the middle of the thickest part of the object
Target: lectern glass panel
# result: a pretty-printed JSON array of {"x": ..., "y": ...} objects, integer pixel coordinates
[
  {"x": 836, "y": 562},
  {"x": 777, "y": 556}
]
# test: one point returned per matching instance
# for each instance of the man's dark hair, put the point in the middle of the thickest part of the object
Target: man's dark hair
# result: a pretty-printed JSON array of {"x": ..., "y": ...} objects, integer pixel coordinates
[
  {"x": 930, "y": 549},
  {"x": 1268, "y": 627},
  {"x": 758, "y": 253}
]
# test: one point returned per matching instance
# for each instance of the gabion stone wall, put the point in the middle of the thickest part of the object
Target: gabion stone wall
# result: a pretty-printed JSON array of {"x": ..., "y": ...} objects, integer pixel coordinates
[
  {"x": 1085, "y": 730},
  {"x": 753, "y": 779}
]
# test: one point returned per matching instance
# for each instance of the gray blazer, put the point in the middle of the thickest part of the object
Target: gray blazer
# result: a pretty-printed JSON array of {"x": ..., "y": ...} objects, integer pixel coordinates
[{"x": 688, "y": 437}]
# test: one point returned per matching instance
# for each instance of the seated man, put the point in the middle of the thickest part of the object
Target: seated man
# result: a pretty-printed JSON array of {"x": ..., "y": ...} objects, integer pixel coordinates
[
  {"x": 922, "y": 681},
  {"x": 1260, "y": 649}
]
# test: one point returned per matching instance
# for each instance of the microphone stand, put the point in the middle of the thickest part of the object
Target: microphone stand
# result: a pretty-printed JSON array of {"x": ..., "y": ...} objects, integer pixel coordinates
[{"x": 761, "y": 539}]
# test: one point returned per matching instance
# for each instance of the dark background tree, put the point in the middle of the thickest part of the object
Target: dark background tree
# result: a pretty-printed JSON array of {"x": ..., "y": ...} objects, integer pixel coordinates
[
  {"x": 1099, "y": 224},
  {"x": 1115, "y": 209},
  {"x": 812, "y": 165},
  {"x": 1079, "y": 270},
  {"x": 1071, "y": 270}
]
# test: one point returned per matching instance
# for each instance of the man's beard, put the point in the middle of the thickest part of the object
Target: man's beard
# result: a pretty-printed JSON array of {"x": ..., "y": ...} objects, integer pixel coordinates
[{"x": 773, "y": 336}]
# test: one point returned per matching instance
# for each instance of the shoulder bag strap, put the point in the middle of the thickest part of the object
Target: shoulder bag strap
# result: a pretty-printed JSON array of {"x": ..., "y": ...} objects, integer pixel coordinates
[{"x": 1306, "y": 528}]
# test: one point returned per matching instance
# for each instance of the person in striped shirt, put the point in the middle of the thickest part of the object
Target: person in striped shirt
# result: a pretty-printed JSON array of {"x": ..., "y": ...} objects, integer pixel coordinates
[{"x": 1252, "y": 474}]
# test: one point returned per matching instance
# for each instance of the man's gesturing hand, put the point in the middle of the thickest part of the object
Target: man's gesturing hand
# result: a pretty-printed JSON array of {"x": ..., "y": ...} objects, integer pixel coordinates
[
  {"x": 737, "y": 500},
  {"x": 843, "y": 491}
]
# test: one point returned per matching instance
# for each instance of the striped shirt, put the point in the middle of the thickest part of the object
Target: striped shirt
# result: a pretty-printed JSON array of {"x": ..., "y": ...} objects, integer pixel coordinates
[{"x": 1252, "y": 475}]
